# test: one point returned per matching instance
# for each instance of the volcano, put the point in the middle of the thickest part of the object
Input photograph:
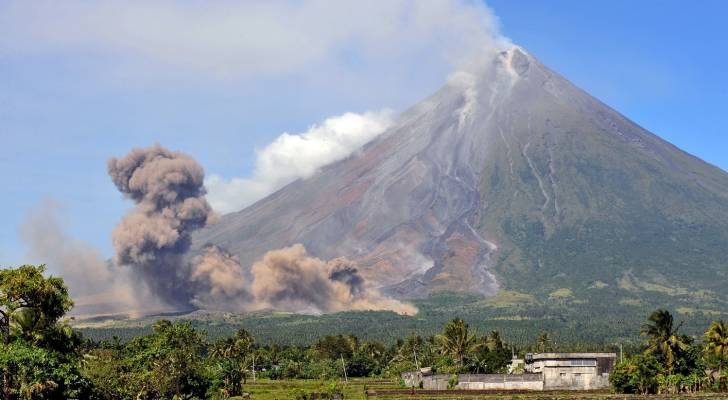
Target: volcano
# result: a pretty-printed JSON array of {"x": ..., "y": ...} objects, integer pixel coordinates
[{"x": 508, "y": 179}]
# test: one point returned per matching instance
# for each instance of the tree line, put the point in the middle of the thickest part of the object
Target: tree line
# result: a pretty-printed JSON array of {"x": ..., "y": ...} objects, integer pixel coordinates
[
  {"x": 42, "y": 357},
  {"x": 671, "y": 362}
]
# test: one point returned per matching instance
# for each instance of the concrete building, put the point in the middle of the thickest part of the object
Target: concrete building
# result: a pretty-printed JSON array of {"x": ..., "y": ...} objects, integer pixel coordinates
[
  {"x": 541, "y": 371},
  {"x": 572, "y": 371}
]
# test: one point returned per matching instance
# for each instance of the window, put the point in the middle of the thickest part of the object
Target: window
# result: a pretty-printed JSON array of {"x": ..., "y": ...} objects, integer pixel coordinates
[{"x": 583, "y": 363}]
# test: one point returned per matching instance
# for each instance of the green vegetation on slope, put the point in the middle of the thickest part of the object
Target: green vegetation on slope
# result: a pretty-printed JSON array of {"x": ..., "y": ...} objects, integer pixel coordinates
[{"x": 597, "y": 323}]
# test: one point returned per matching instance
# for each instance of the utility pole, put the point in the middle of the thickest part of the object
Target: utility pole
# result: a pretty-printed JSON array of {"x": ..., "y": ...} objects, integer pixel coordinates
[
  {"x": 343, "y": 365},
  {"x": 417, "y": 365},
  {"x": 621, "y": 354},
  {"x": 253, "y": 367}
]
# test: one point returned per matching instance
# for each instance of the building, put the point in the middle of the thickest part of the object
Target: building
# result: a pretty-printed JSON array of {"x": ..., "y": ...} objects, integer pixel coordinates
[
  {"x": 572, "y": 371},
  {"x": 541, "y": 371}
]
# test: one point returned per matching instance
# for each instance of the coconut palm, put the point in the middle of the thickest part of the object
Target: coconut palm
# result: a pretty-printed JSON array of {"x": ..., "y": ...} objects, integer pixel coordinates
[
  {"x": 716, "y": 342},
  {"x": 663, "y": 337},
  {"x": 458, "y": 341},
  {"x": 494, "y": 341},
  {"x": 543, "y": 341}
]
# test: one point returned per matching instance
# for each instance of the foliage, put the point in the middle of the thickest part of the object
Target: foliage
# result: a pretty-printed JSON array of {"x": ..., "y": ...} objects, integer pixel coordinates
[
  {"x": 457, "y": 341},
  {"x": 35, "y": 372},
  {"x": 671, "y": 363},
  {"x": 30, "y": 304},
  {"x": 716, "y": 349},
  {"x": 664, "y": 339},
  {"x": 229, "y": 362},
  {"x": 38, "y": 353},
  {"x": 637, "y": 374},
  {"x": 42, "y": 357}
]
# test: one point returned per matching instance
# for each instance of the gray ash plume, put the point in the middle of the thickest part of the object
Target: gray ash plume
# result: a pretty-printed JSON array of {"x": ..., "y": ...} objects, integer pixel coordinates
[{"x": 153, "y": 238}]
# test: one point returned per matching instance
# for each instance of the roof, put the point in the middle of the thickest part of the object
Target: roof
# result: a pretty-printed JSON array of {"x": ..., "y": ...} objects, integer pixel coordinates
[{"x": 561, "y": 356}]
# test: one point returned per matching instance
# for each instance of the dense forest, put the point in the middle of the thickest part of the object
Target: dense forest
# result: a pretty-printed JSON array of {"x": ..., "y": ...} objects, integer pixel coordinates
[
  {"x": 42, "y": 357},
  {"x": 600, "y": 324}
]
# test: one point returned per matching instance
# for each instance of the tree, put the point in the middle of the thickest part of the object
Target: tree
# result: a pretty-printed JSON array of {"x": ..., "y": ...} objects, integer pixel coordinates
[
  {"x": 636, "y": 375},
  {"x": 333, "y": 347},
  {"x": 543, "y": 341},
  {"x": 30, "y": 307},
  {"x": 25, "y": 294},
  {"x": 230, "y": 360},
  {"x": 716, "y": 343},
  {"x": 494, "y": 341},
  {"x": 169, "y": 361},
  {"x": 457, "y": 341},
  {"x": 663, "y": 338}
]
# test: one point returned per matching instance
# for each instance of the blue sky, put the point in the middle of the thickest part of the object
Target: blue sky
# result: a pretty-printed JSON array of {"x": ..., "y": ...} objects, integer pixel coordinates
[{"x": 74, "y": 93}]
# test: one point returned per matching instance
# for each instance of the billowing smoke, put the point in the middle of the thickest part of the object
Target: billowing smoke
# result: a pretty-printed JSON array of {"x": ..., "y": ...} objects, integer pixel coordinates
[
  {"x": 96, "y": 287},
  {"x": 289, "y": 279},
  {"x": 152, "y": 270},
  {"x": 154, "y": 237},
  {"x": 82, "y": 267},
  {"x": 344, "y": 270},
  {"x": 219, "y": 280}
]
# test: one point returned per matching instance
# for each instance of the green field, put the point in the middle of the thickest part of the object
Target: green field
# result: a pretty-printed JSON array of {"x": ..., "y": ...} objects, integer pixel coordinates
[{"x": 265, "y": 389}]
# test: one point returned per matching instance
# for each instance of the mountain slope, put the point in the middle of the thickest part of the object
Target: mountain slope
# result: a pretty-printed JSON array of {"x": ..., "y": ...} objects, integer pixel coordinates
[{"x": 509, "y": 179}]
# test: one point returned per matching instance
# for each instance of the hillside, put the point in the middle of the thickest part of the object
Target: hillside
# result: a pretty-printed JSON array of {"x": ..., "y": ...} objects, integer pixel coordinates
[{"x": 509, "y": 180}]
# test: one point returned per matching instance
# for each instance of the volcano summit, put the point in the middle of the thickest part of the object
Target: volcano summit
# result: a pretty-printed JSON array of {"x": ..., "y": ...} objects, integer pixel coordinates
[{"x": 509, "y": 179}]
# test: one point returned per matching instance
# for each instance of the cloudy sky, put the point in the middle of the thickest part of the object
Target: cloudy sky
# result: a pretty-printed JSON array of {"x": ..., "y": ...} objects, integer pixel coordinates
[{"x": 261, "y": 93}]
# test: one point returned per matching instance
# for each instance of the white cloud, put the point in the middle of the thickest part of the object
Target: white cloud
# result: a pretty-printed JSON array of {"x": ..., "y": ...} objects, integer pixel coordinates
[
  {"x": 234, "y": 40},
  {"x": 293, "y": 156}
]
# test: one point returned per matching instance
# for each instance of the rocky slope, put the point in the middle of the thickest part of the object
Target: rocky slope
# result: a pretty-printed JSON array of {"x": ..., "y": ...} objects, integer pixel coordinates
[{"x": 508, "y": 178}]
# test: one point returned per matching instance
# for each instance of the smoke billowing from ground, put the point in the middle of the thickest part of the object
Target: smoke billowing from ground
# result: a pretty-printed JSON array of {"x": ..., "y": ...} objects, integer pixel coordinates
[
  {"x": 95, "y": 285},
  {"x": 154, "y": 238},
  {"x": 289, "y": 279},
  {"x": 218, "y": 277},
  {"x": 81, "y": 266},
  {"x": 152, "y": 269}
]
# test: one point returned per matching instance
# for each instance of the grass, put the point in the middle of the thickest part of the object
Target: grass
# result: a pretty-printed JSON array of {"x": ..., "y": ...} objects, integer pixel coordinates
[
  {"x": 265, "y": 389},
  {"x": 562, "y": 293}
]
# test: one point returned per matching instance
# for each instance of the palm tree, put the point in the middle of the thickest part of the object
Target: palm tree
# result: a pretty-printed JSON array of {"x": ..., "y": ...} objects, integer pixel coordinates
[
  {"x": 543, "y": 341},
  {"x": 716, "y": 342},
  {"x": 458, "y": 341},
  {"x": 494, "y": 341},
  {"x": 664, "y": 338}
]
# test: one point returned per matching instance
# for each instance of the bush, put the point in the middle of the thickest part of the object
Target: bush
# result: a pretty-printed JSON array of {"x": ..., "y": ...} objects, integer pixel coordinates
[{"x": 636, "y": 375}]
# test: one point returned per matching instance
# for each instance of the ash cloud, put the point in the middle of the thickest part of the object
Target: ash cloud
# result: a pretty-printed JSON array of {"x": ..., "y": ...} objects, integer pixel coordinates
[
  {"x": 344, "y": 270},
  {"x": 95, "y": 285},
  {"x": 289, "y": 279},
  {"x": 152, "y": 270},
  {"x": 154, "y": 237},
  {"x": 219, "y": 279},
  {"x": 82, "y": 267}
]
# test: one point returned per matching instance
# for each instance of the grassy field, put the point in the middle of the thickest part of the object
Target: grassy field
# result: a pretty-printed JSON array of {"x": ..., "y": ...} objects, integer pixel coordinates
[{"x": 264, "y": 389}]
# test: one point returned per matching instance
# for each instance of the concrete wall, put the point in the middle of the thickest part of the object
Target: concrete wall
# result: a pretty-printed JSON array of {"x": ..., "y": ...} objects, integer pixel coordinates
[
  {"x": 552, "y": 378},
  {"x": 412, "y": 379},
  {"x": 500, "y": 382},
  {"x": 435, "y": 382},
  {"x": 574, "y": 378}
]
